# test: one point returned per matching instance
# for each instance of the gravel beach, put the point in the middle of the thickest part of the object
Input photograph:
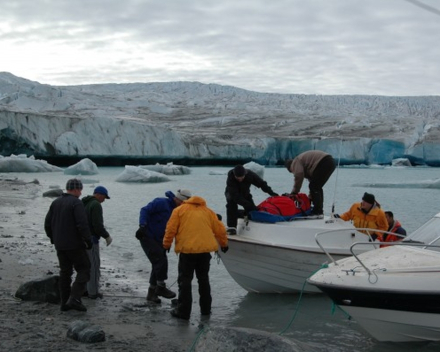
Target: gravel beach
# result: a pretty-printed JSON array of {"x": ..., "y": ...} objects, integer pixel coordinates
[{"x": 129, "y": 323}]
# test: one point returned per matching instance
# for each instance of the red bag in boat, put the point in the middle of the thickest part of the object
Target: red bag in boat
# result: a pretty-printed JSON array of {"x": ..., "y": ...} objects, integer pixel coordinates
[{"x": 286, "y": 205}]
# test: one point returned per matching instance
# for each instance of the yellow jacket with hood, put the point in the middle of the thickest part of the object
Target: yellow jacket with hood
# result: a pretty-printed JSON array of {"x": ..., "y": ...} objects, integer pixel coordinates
[
  {"x": 374, "y": 219},
  {"x": 195, "y": 227}
]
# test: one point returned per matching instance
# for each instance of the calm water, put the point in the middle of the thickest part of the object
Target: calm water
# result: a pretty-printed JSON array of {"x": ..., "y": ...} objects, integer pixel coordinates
[{"x": 316, "y": 322}]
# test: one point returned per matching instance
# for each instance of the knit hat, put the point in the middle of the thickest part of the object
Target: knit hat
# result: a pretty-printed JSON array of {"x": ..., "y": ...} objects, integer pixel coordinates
[
  {"x": 101, "y": 190},
  {"x": 183, "y": 194},
  {"x": 239, "y": 171},
  {"x": 369, "y": 198},
  {"x": 74, "y": 184}
]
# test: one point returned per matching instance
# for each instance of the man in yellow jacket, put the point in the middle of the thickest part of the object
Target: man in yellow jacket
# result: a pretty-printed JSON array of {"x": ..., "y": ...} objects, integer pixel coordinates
[
  {"x": 367, "y": 214},
  {"x": 198, "y": 232}
]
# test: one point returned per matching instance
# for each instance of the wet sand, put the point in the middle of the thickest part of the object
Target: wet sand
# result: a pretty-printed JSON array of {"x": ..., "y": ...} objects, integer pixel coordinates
[{"x": 129, "y": 322}]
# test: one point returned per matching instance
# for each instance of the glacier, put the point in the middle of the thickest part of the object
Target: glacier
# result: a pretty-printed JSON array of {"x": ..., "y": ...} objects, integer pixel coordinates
[{"x": 195, "y": 123}]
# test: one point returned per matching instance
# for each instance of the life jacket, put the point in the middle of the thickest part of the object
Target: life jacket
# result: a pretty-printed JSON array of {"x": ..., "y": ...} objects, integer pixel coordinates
[
  {"x": 392, "y": 238},
  {"x": 286, "y": 205}
]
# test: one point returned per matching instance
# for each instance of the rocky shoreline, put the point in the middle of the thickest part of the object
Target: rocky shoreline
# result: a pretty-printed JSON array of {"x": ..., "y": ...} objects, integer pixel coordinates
[{"x": 129, "y": 323}]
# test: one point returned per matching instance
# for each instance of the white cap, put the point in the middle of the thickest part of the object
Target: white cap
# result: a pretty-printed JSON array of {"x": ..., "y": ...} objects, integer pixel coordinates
[{"x": 183, "y": 194}]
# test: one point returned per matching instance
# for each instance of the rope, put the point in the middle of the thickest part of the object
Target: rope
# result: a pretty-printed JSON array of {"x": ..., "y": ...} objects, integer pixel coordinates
[
  {"x": 199, "y": 334},
  {"x": 299, "y": 301}
]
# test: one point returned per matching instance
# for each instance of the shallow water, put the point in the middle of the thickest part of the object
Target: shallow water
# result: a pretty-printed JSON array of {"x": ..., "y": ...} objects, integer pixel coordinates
[{"x": 317, "y": 321}]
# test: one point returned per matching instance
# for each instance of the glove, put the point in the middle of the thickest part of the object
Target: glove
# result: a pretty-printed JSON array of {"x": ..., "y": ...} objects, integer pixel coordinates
[
  {"x": 273, "y": 194},
  {"x": 225, "y": 249},
  {"x": 109, "y": 240},
  {"x": 141, "y": 232},
  {"x": 88, "y": 244},
  {"x": 167, "y": 249},
  {"x": 336, "y": 216}
]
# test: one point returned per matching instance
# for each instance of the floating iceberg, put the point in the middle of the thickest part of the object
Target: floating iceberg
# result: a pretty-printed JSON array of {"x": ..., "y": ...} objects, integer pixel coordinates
[
  {"x": 138, "y": 174},
  {"x": 401, "y": 162},
  {"x": 21, "y": 163},
  {"x": 168, "y": 169},
  {"x": 257, "y": 168},
  {"x": 83, "y": 167}
]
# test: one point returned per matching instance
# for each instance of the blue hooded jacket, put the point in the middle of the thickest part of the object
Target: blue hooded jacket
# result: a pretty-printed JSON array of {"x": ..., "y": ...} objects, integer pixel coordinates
[{"x": 155, "y": 215}]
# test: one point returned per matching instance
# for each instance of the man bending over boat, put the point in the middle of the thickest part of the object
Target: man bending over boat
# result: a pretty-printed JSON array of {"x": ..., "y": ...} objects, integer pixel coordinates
[
  {"x": 317, "y": 167},
  {"x": 367, "y": 214},
  {"x": 237, "y": 192}
]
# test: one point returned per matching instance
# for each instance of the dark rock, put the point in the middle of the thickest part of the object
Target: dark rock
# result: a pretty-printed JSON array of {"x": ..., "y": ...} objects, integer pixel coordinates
[
  {"x": 42, "y": 290},
  {"x": 53, "y": 193},
  {"x": 243, "y": 339},
  {"x": 85, "y": 332}
]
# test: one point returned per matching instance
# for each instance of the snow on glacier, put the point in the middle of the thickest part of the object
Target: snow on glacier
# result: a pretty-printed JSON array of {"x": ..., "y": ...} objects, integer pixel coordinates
[{"x": 191, "y": 120}]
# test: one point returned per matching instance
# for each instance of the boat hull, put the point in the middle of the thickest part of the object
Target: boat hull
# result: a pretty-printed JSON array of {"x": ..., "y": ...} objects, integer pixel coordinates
[
  {"x": 261, "y": 259},
  {"x": 393, "y": 293}
]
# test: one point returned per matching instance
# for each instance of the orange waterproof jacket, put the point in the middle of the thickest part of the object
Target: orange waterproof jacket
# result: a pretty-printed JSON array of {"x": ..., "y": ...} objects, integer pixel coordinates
[
  {"x": 375, "y": 219},
  {"x": 195, "y": 227}
]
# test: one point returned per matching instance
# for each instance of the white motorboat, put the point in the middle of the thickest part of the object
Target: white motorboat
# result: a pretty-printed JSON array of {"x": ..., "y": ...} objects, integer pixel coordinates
[
  {"x": 278, "y": 257},
  {"x": 392, "y": 292}
]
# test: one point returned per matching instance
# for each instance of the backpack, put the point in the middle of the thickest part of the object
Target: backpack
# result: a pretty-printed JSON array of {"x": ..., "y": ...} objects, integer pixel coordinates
[{"x": 286, "y": 205}]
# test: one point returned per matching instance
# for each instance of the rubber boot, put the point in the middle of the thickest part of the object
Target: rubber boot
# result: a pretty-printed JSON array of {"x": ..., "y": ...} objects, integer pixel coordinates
[{"x": 152, "y": 296}]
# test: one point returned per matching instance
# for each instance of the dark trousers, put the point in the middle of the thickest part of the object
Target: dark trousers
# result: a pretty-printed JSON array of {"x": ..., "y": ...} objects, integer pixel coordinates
[
  {"x": 232, "y": 211},
  {"x": 156, "y": 254},
  {"x": 320, "y": 176},
  {"x": 73, "y": 259},
  {"x": 188, "y": 264}
]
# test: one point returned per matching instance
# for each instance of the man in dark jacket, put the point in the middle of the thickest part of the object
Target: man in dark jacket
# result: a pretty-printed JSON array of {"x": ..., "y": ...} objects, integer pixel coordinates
[
  {"x": 237, "y": 192},
  {"x": 93, "y": 208},
  {"x": 153, "y": 220},
  {"x": 67, "y": 227}
]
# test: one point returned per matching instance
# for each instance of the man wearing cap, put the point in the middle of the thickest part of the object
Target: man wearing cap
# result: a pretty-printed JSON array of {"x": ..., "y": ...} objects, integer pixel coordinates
[
  {"x": 367, "y": 214},
  {"x": 153, "y": 220},
  {"x": 67, "y": 227},
  {"x": 317, "y": 167},
  {"x": 237, "y": 192},
  {"x": 93, "y": 208}
]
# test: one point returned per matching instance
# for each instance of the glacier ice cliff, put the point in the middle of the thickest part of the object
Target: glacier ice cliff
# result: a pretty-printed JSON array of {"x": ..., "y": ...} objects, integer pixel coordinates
[{"x": 209, "y": 123}]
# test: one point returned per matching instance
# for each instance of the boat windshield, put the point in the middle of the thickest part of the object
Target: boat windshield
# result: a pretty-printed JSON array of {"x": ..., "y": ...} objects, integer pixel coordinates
[{"x": 428, "y": 233}]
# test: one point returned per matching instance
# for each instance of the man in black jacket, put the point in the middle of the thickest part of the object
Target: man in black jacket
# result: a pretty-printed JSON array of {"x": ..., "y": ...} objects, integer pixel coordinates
[
  {"x": 68, "y": 229},
  {"x": 237, "y": 192}
]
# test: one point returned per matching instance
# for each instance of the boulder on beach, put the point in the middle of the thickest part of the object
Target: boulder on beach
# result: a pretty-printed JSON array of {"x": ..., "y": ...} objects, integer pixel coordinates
[{"x": 41, "y": 290}]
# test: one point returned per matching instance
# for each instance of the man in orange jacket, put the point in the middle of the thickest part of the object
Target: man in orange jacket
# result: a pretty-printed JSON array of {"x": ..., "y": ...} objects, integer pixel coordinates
[
  {"x": 197, "y": 232},
  {"x": 367, "y": 214}
]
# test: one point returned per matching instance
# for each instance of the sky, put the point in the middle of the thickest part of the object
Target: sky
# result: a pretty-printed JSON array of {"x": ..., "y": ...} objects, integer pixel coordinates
[{"x": 325, "y": 47}]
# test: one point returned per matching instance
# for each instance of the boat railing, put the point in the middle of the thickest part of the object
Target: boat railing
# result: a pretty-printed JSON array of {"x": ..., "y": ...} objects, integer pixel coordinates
[
  {"x": 398, "y": 243},
  {"x": 352, "y": 231}
]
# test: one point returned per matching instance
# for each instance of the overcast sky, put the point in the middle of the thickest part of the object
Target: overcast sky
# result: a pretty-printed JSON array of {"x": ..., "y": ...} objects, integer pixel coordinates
[{"x": 383, "y": 47}]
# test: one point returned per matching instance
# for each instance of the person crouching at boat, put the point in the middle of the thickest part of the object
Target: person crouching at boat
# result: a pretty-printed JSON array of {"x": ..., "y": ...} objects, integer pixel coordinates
[
  {"x": 237, "y": 192},
  {"x": 367, "y": 214}
]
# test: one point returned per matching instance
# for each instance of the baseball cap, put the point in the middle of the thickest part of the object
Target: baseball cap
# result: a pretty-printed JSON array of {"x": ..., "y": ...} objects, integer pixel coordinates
[{"x": 101, "y": 190}]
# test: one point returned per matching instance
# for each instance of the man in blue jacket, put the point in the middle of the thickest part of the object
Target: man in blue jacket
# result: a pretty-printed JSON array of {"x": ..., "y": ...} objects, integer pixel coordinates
[{"x": 152, "y": 224}]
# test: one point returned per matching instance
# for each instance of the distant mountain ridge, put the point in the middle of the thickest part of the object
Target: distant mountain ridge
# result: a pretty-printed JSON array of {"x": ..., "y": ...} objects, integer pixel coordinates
[{"x": 211, "y": 121}]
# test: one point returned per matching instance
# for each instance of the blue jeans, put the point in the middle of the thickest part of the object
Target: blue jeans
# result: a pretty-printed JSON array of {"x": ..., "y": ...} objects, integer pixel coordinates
[{"x": 156, "y": 254}]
